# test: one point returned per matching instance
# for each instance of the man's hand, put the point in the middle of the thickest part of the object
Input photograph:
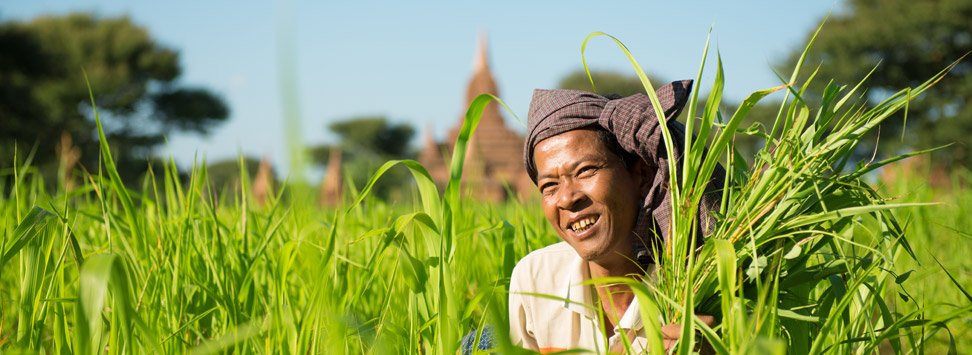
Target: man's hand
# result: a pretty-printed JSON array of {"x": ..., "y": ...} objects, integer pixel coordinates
[{"x": 672, "y": 332}]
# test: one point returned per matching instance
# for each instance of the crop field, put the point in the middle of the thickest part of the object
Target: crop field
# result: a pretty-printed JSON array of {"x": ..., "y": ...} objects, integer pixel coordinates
[
  {"x": 807, "y": 259},
  {"x": 940, "y": 235},
  {"x": 212, "y": 275}
]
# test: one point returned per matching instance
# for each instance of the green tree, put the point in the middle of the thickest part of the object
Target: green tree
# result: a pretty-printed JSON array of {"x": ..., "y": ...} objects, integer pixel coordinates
[
  {"x": 134, "y": 80},
  {"x": 224, "y": 175},
  {"x": 374, "y": 135},
  {"x": 608, "y": 82},
  {"x": 366, "y": 143},
  {"x": 909, "y": 41}
]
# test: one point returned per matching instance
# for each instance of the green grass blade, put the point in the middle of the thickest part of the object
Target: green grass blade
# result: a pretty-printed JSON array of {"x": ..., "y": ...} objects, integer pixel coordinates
[
  {"x": 427, "y": 189},
  {"x": 27, "y": 230},
  {"x": 116, "y": 181}
]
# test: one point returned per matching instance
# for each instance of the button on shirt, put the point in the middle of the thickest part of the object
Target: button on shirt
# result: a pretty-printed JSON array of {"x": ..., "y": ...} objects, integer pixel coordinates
[{"x": 565, "y": 319}]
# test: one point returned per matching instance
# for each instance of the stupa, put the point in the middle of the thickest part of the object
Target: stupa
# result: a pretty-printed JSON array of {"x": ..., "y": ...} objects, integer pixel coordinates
[{"x": 493, "y": 168}]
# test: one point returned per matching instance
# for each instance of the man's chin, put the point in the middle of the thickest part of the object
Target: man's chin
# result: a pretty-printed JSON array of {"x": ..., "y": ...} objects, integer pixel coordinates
[
  {"x": 596, "y": 253},
  {"x": 590, "y": 255},
  {"x": 593, "y": 248}
]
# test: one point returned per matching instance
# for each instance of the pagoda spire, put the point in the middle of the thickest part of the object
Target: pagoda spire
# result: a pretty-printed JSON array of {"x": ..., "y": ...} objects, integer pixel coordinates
[
  {"x": 481, "y": 60},
  {"x": 263, "y": 182},
  {"x": 492, "y": 157},
  {"x": 481, "y": 82},
  {"x": 333, "y": 183}
]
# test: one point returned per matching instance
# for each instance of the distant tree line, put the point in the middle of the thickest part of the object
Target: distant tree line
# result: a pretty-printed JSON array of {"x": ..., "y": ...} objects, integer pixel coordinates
[
  {"x": 45, "y": 109},
  {"x": 367, "y": 142},
  {"x": 44, "y": 102}
]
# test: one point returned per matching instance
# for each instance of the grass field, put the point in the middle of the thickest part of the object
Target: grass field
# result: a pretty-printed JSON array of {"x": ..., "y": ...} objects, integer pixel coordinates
[
  {"x": 175, "y": 266},
  {"x": 941, "y": 235},
  {"x": 210, "y": 275}
]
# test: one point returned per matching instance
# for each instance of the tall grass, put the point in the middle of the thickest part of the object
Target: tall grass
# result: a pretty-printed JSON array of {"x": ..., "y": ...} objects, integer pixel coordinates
[
  {"x": 174, "y": 267},
  {"x": 940, "y": 235},
  {"x": 807, "y": 256}
]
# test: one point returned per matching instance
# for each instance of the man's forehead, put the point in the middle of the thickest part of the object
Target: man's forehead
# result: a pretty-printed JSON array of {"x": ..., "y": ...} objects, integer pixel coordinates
[
  {"x": 570, "y": 147},
  {"x": 571, "y": 140}
]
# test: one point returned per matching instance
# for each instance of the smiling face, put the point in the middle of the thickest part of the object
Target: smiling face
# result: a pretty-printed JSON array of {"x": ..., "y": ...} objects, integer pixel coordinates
[{"x": 589, "y": 197}]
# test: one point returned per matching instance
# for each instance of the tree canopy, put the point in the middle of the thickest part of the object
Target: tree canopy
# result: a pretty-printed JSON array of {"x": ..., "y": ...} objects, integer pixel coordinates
[
  {"x": 908, "y": 41},
  {"x": 366, "y": 143},
  {"x": 374, "y": 135},
  {"x": 608, "y": 82},
  {"x": 225, "y": 174},
  {"x": 133, "y": 78}
]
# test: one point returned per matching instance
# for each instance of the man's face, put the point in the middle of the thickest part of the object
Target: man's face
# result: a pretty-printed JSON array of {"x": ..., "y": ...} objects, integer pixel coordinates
[{"x": 589, "y": 197}]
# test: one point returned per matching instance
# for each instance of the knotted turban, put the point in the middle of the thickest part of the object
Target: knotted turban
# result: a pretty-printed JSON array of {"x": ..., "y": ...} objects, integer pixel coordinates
[{"x": 633, "y": 122}]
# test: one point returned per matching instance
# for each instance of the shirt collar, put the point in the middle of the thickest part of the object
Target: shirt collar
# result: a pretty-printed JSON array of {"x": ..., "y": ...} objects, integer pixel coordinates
[
  {"x": 632, "y": 317},
  {"x": 578, "y": 296}
]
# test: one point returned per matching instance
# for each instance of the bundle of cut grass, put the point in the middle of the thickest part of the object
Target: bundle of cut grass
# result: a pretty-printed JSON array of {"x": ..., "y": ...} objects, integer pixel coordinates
[{"x": 801, "y": 258}]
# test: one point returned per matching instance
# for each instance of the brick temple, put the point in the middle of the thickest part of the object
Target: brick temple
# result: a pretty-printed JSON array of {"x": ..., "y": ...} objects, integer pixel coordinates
[{"x": 494, "y": 161}]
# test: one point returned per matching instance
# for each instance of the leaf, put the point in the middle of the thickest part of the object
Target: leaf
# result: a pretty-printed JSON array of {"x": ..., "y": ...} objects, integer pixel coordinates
[
  {"x": 469, "y": 124},
  {"x": 509, "y": 252},
  {"x": 330, "y": 241},
  {"x": 786, "y": 313},
  {"x": 950, "y": 277},
  {"x": 235, "y": 336},
  {"x": 116, "y": 181},
  {"x": 755, "y": 129},
  {"x": 793, "y": 253},
  {"x": 756, "y": 268},
  {"x": 726, "y": 264},
  {"x": 900, "y": 279},
  {"x": 806, "y": 220},
  {"x": 413, "y": 271},
  {"x": 428, "y": 192},
  {"x": 402, "y": 222},
  {"x": 28, "y": 229},
  {"x": 99, "y": 275}
]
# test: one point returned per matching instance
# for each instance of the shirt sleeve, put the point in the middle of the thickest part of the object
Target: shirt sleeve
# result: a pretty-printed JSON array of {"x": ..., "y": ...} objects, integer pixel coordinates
[{"x": 521, "y": 322}]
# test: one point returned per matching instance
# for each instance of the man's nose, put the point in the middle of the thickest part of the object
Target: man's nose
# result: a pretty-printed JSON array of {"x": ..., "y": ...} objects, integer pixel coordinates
[{"x": 568, "y": 196}]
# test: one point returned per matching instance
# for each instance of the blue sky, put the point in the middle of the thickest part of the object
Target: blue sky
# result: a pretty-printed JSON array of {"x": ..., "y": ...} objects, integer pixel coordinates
[{"x": 410, "y": 61}]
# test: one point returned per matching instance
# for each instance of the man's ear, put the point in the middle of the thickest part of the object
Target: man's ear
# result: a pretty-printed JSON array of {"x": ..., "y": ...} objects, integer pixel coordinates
[{"x": 643, "y": 175}]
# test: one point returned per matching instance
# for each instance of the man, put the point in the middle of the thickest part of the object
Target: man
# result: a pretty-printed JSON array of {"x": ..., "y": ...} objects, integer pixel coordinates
[{"x": 602, "y": 172}]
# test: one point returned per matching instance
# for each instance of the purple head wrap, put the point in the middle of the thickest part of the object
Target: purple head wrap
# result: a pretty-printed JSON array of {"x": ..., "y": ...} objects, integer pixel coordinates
[{"x": 633, "y": 122}]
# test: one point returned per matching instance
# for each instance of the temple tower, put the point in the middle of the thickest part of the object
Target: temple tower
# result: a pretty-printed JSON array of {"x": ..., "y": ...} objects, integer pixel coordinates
[
  {"x": 332, "y": 186},
  {"x": 493, "y": 161}
]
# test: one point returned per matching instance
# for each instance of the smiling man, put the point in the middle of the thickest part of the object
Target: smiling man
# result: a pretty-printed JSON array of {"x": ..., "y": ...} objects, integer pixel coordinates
[{"x": 602, "y": 172}]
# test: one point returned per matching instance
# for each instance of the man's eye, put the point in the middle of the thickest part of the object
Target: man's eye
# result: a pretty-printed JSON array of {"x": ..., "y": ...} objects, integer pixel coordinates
[
  {"x": 587, "y": 171},
  {"x": 547, "y": 188}
]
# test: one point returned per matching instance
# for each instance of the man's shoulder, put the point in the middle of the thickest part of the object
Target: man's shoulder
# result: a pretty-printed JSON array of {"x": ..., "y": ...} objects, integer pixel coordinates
[
  {"x": 561, "y": 249},
  {"x": 550, "y": 261}
]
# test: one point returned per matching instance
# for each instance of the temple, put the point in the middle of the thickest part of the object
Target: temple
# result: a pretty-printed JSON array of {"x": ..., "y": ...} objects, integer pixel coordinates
[{"x": 493, "y": 169}]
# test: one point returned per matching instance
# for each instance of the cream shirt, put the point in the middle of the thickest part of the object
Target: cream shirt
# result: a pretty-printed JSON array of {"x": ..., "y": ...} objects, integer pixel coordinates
[{"x": 561, "y": 321}]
